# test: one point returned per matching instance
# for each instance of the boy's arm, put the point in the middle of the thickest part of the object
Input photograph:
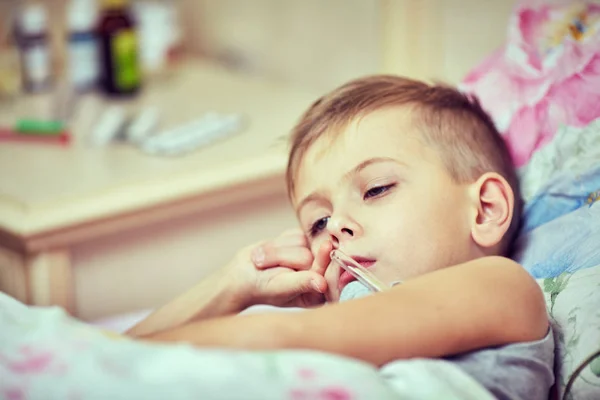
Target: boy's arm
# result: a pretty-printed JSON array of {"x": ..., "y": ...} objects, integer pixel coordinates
[
  {"x": 213, "y": 296},
  {"x": 486, "y": 302},
  {"x": 285, "y": 278}
]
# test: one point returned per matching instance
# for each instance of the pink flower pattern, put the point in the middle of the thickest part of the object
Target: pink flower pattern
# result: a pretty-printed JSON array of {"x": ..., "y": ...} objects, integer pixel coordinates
[{"x": 545, "y": 76}]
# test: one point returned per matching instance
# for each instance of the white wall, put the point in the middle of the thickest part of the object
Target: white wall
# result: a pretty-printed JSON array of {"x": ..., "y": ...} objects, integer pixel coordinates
[
  {"x": 318, "y": 43},
  {"x": 441, "y": 39}
]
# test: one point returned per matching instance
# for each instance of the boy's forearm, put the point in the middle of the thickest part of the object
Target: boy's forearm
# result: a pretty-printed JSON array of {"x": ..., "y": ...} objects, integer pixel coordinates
[
  {"x": 251, "y": 332},
  {"x": 448, "y": 312},
  {"x": 214, "y": 296},
  {"x": 435, "y": 315}
]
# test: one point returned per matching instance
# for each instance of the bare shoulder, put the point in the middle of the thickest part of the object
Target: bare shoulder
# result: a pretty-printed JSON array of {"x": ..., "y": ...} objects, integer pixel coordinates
[{"x": 505, "y": 274}]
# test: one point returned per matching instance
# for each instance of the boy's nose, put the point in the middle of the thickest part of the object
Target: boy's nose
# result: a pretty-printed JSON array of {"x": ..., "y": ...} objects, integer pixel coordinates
[
  {"x": 340, "y": 236},
  {"x": 342, "y": 229}
]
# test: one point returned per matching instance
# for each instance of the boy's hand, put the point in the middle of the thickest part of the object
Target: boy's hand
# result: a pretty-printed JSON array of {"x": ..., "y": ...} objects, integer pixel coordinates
[
  {"x": 287, "y": 275},
  {"x": 281, "y": 272}
]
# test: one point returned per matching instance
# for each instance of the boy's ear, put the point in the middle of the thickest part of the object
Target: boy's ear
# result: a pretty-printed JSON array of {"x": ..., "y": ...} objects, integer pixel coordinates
[{"x": 494, "y": 201}]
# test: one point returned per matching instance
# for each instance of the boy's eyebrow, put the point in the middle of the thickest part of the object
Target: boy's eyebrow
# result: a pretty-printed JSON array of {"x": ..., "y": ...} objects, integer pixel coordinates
[
  {"x": 349, "y": 174},
  {"x": 306, "y": 200},
  {"x": 368, "y": 162}
]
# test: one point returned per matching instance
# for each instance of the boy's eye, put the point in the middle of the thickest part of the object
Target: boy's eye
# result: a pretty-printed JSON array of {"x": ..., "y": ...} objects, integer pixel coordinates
[
  {"x": 318, "y": 226},
  {"x": 377, "y": 191}
]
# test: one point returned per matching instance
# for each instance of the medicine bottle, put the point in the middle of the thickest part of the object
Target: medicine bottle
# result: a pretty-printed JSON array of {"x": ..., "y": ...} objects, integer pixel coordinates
[
  {"x": 83, "y": 51},
  {"x": 31, "y": 34},
  {"x": 120, "y": 72}
]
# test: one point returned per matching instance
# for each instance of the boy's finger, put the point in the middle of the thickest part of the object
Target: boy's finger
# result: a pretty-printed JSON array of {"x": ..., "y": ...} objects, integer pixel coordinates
[
  {"x": 297, "y": 283},
  {"x": 307, "y": 300},
  {"x": 290, "y": 238},
  {"x": 322, "y": 259},
  {"x": 310, "y": 300},
  {"x": 292, "y": 232},
  {"x": 294, "y": 257}
]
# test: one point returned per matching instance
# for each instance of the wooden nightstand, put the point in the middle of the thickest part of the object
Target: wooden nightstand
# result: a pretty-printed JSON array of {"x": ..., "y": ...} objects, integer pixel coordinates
[{"x": 53, "y": 198}]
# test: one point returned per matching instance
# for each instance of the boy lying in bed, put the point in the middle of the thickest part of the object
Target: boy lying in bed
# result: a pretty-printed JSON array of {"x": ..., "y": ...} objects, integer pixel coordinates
[{"x": 417, "y": 185}]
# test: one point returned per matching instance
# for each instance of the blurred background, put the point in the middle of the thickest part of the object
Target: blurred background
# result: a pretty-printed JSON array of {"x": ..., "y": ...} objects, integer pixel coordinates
[
  {"x": 315, "y": 43},
  {"x": 141, "y": 142}
]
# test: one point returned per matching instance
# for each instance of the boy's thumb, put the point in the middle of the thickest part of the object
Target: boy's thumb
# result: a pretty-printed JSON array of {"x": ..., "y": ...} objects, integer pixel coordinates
[
  {"x": 318, "y": 283},
  {"x": 306, "y": 282}
]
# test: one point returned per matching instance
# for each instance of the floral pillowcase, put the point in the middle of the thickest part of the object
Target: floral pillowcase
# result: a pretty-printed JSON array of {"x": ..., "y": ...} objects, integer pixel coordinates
[{"x": 545, "y": 76}]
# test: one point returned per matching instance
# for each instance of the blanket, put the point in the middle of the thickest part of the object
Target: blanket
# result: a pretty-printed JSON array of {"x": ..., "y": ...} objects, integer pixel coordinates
[{"x": 45, "y": 354}]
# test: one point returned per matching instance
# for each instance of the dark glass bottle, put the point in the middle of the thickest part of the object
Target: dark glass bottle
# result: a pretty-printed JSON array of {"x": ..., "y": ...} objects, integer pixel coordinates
[{"x": 120, "y": 73}]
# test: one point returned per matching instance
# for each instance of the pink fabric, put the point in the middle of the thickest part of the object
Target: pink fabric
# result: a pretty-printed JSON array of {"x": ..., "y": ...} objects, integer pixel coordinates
[{"x": 545, "y": 76}]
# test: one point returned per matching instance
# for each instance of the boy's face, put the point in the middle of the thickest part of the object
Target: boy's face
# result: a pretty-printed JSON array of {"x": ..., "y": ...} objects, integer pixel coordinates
[{"x": 384, "y": 198}]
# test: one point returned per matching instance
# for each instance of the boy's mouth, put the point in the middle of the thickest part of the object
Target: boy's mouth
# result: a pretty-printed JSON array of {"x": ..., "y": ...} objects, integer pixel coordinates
[{"x": 346, "y": 277}]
